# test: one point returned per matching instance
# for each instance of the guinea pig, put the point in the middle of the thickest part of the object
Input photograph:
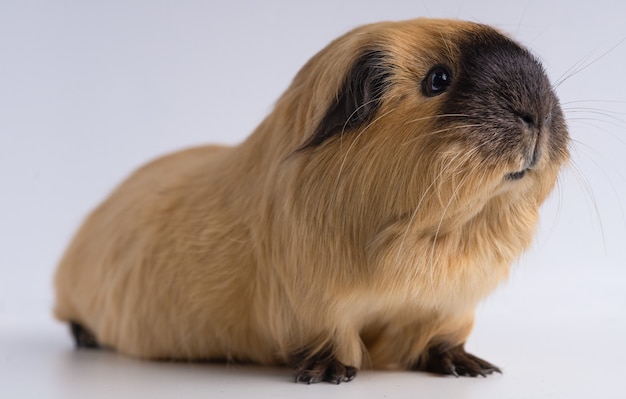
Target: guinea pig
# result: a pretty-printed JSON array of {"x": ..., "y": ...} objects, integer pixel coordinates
[{"x": 387, "y": 193}]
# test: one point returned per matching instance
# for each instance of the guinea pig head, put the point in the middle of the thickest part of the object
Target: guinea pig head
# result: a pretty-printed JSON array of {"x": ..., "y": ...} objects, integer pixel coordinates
[{"x": 431, "y": 118}]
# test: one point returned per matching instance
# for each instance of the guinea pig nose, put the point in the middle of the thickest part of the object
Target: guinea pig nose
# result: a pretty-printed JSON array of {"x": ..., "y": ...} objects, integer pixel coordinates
[{"x": 526, "y": 119}]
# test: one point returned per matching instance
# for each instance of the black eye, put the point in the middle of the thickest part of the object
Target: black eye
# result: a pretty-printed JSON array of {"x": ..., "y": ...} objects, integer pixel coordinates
[{"x": 437, "y": 81}]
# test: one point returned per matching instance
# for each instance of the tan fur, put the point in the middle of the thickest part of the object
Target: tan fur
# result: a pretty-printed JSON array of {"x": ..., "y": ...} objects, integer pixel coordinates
[{"x": 254, "y": 251}]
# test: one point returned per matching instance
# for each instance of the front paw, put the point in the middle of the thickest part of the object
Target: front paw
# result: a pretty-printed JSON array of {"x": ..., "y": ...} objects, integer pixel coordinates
[
  {"x": 321, "y": 367},
  {"x": 455, "y": 361}
]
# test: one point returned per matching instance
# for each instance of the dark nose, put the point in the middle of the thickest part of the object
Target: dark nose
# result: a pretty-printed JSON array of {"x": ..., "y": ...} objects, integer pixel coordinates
[
  {"x": 527, "y": 119},
  {"x": 532, "y": 124}
]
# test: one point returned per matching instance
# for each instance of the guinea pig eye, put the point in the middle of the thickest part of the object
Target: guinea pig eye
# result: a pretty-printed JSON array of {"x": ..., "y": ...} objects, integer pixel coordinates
[{"x": 437, "y": 81}]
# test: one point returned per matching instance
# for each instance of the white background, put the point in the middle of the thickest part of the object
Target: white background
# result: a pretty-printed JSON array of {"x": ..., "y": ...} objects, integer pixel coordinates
[{"x": 89, "y": 90}]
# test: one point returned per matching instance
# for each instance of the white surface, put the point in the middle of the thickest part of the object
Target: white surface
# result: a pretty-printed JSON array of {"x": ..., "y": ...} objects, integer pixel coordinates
[{"x": 91, "y": 90}]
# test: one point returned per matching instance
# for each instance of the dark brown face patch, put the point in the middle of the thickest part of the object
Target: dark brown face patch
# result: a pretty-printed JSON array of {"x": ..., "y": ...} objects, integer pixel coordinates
[
  {"x": 495, "y": 86},
  {"x": 502, "y": 90},
  {"x": 358, "y": 99}
]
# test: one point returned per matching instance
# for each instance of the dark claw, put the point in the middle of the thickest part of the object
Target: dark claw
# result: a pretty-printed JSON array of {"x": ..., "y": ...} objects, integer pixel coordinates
[
  {"x": 321, "y": 367},
  {"x": 455, "y": 361},
  {"x": 350, "y": 373},
  {"x": 308, "y": 376},
  {"x": 82, "y": 337}
]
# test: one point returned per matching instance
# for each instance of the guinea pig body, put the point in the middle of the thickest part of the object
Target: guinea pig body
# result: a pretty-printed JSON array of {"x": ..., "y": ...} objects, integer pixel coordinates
[{"x": 389, "y": 191}]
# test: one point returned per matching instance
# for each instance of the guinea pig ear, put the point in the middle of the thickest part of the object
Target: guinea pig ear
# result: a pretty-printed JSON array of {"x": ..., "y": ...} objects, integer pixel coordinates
[{"x": 357, "y": 101}]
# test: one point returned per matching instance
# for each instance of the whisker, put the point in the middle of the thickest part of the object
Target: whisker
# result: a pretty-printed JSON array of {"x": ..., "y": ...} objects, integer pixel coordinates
[
  {"x": 419, "y": 204},
  {"x": 615, "y": 124},
  {"x": 424, "y": 118},
  {"x": 594, "y": 101},
  {"x": 582, "y": 67},
  {"x": 448, "y": 129},
  {"x": 341, "y": 135},
  {"x": 596, "y": 111},
  {"x": 521, "y": 19},
  {"x": 606, "y": 176},
  {"x": 446, "y": 43},
  {"x": 438, "y": 230},
  {"x": 587, "y": 122},
  {"x": 610, "y": 119},
  {"x": 361, "y": 132},
  {"x": 345, "y": 124},
  {"x": 557, "y": 215},
  {"x": 425, "y": 4},
  {"x": 572, "y": 70},
  {"x": 588, "y": 190}
]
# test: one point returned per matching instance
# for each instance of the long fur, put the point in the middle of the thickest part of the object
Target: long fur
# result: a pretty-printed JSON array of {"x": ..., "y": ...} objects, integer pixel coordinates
[{"x": 375, "y": 238}]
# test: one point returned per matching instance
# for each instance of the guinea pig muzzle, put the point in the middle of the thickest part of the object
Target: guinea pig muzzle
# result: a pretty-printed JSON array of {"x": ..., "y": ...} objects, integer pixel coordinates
[
  {"x": 532, "y": 156},
  {"x": 529, "y": 163}
]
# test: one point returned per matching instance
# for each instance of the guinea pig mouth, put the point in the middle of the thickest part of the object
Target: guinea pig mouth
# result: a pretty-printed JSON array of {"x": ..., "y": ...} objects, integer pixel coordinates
[{"x": 531, "y": 161}]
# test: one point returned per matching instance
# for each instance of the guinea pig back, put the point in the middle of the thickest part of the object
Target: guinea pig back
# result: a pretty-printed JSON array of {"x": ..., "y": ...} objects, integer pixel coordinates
[{"x": 388, "y": 192}]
